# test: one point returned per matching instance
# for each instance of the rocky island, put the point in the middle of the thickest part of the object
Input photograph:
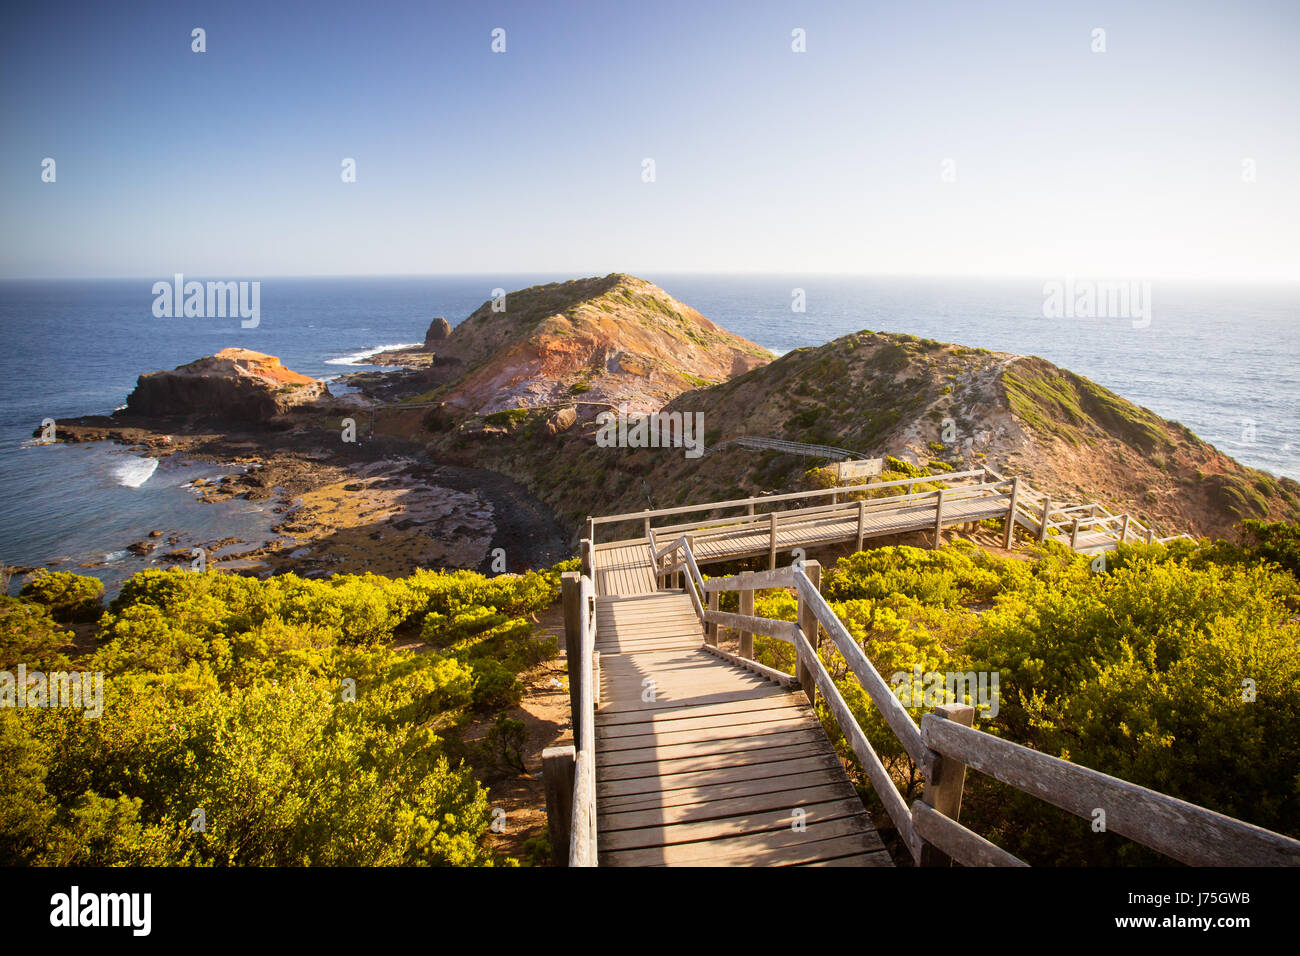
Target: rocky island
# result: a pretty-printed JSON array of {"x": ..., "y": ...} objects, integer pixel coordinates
[{"x": 484, "y": 438}]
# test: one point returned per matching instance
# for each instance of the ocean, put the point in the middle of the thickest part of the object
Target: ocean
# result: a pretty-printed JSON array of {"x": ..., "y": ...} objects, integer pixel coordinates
[{"x": 1221, "y": 359}]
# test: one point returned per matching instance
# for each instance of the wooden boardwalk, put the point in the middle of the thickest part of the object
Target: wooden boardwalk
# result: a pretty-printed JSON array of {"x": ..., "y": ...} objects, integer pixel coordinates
[
  {"x": 686, "y": 754},
  {"x": 700, "y": 761}
]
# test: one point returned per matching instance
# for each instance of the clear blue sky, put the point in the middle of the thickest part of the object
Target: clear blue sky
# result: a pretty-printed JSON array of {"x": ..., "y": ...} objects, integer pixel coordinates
[{"x": 227, "y": 163}]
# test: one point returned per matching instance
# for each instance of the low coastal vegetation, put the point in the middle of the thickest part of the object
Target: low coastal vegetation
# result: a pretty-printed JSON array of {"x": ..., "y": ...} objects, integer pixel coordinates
[
  {"x": 264, "y": 722},
  {"x": 281, "y": 716}
]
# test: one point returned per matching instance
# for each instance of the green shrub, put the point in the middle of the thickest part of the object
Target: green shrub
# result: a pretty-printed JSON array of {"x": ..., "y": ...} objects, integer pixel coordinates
[{"x": 71, "y": 598}]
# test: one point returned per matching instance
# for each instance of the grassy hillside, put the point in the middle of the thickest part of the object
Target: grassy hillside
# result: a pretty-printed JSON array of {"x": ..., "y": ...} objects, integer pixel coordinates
[{"x": 883, "y": 394}]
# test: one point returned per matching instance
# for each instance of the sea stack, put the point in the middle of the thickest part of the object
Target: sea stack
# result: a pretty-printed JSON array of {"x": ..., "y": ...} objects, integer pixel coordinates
[
  {"x": 439, "y": 329},
  {"x": 235, "y": 384}
]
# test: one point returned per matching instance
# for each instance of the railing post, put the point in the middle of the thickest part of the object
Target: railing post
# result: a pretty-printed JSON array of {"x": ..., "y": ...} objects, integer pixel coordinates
[
  {"x": 586, "y": 554},
  {"x": 947, "y": 780},
  {"x": 591, "y": 530},
  {"x": 1074, "y": 534},
  {"x": 938, "y": 518},
  {"x": 1011, "y": 513},
  {"x": 571, "y": 595},
  {"x": 647, "y": 526},
  {"x": 1123, "y": 531},
  {"x": 862, "y": 520},
  {"x": 808, "y": 624},
  {"x": 771, "y": 547},
  {"x": 1151, "y": 533},
  {"x": 557, "y": 777},
  {"x": 746, "y": 608},
  {"x": 1047, "y": 511},
  {"x": 711, "y": 627}
]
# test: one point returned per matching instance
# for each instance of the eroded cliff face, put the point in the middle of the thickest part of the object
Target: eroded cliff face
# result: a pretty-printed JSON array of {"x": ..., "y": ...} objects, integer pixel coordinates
[
  {"x": 235, "y": 384},
  {"x": 610, "y": 340}
]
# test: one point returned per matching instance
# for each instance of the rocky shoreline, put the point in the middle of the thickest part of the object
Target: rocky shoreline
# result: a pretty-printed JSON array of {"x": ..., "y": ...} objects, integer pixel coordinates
[{"x": 374, "y": 504}]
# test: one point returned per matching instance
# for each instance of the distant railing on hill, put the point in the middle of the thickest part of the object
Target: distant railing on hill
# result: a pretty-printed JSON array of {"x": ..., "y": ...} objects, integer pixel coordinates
[{"x": 788, "y": 447}]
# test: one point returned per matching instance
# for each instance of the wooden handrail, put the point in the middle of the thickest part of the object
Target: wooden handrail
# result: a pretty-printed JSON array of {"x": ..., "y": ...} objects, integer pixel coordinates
[
  {"x": 881, "y": 782},
  {"x": 582, "y": 846},
  {"x": 732, "y": 524},
  {"x": 889, "y": 705},
  {"x": 758, "y": 580},
  {"x": 694, "y": 579},
  {"x": 788, "y": 496},
  {"x": 965, "y": 846},
  {"x": 1187, "y": 832}
]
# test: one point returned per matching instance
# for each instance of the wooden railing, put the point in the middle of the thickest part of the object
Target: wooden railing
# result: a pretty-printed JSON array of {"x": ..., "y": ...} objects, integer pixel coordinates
[
  {"x": 946, "y": 744},
  {"x": 570, "y": 772},
  {"x": 750, "y": 507},
  {"x": 764, "y": 515},
  {"x": 810, "y": 522}
]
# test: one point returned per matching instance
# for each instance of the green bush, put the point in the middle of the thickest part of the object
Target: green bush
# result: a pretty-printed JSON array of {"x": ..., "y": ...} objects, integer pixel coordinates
[
  {"x": 71, "y": 598},
  {"x": 277, "y": 708},
  {"x": 1178, "y": 669}
]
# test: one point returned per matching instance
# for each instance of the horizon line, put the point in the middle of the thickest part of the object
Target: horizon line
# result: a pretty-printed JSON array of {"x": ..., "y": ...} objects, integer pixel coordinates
[{"x": 1083, "y": 274}]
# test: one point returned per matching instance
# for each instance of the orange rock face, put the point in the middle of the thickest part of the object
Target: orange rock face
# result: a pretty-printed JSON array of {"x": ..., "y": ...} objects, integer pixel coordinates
[
  {"x": 611, "y": 340},
  {"x": 237, "y": 384}
]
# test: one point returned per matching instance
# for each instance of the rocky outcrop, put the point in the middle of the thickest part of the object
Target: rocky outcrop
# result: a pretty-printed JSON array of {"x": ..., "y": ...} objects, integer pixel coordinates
[
  {"x": 611, "y": 340},
  {"x": 235, "y": 384},
  {"x": 439, "y": 329}
]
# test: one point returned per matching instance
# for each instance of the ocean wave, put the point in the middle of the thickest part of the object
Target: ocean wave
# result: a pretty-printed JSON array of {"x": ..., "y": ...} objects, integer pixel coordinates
[
  {"x": 356, "y": 357},
  {"x": 115, "y": 556},
  {"x": 134, "y": 472}
]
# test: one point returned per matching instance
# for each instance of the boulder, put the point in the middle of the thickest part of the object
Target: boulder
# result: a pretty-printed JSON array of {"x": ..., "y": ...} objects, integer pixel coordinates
[
  {"x": 562, "y": 420},
  {"x": 439, "y": 329}
]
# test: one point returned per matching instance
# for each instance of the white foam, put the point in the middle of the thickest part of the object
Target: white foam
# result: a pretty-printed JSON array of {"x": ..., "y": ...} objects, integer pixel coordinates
[
  {"x": 115, "y": 556},
  {"x": 356, "y": 357},
  {"x": 134, "y": 472}
]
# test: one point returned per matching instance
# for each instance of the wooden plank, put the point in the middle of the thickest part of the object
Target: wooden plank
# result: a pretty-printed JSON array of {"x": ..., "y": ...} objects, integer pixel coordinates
[
  {"x": 784, "y": 818},
  {"x": 716, "y": 761},
  {"x": 697, "y": 796},
  {"x": 750, "y": 805},
  {"x": 687, "y": 721},
  {"x": 792, "y": 720},
  {"x": 739, "y": 704},
  {"x": 717, "y": 776},
  {"x": 663, "y": 754},
  {"x": 1184, "y": 831},
  {"x": 765, "y": 691},
  {"x": 965, "y": 846},
  {"x": 786, "y": 847}
]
